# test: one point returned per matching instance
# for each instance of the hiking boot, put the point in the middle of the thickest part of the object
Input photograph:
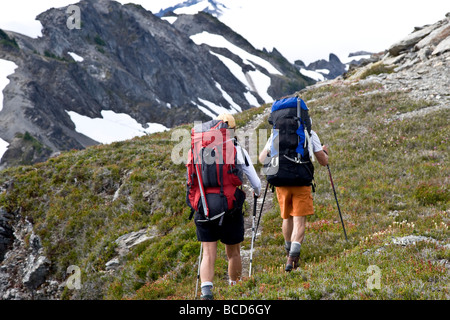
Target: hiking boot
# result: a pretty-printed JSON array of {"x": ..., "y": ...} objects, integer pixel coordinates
[{"x": 292, "y": 263}]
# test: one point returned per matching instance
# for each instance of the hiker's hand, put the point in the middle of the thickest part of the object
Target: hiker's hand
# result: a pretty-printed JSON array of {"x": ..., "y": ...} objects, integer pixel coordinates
[{"x": 255, "y": 195}]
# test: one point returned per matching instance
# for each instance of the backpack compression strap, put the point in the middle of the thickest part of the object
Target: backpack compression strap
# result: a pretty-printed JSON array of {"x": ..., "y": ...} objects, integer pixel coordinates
[{"x": 303, "y": 114}]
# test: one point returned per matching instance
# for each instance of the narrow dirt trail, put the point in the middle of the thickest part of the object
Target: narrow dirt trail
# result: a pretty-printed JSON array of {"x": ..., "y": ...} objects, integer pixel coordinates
[{"x": 248, "y": 219}]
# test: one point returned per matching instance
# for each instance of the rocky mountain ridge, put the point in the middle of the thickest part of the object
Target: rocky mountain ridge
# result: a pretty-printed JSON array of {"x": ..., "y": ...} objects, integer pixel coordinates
[{"x": 125, "y": 60}]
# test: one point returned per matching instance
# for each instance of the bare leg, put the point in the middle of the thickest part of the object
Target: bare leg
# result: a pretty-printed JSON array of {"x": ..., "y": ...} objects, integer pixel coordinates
[
  {"x": 234, "y": 261},
  {"x": 287, "y": 227},
  {"x": 298, "y": 230},
  {"x": 208, "y": 261}
]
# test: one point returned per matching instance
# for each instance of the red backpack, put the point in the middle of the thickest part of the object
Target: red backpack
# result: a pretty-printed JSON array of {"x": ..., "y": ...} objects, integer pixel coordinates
[{"x": 212, "y": 173}]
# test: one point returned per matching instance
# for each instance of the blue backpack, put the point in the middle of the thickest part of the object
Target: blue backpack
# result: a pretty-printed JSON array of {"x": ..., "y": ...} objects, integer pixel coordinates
[{"x": 289, "y": 162}]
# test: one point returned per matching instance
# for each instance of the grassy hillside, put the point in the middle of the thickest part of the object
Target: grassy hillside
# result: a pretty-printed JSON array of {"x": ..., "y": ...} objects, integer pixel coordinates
[{"x": 391, "y": 180}]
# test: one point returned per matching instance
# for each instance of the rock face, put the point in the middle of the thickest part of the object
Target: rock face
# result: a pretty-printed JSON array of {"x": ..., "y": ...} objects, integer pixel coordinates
[
  {"x": 334, "y": 68},
  {"x": 126, "y": 60},
  {"x": 424, "y": 41},
  {"x": 334, "y": 65},
  {"x": 6, "y": 232},
  {"x": 24, "y": 267}
]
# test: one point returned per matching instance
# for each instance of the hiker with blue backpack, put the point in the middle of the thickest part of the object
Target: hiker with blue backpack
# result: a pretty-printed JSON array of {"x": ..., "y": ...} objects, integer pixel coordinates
[
  {"x": 215, "y": 169},
  {"x": 287, "y": 158}
]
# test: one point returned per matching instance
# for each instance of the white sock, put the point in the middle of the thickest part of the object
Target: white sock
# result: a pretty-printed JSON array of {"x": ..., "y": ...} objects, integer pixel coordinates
[{"x": 295, "y": 249}]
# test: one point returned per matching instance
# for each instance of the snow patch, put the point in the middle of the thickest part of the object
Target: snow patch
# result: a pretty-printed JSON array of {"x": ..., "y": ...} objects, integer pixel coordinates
[
  {"x": 213, "y": 110},
  {"x": 204, "y": 110},
  {"x": 227, "y": 97},
  {"x": 76, "y": 57},
  {"x": 112, "y": 126},
  {"x": 218, "y": 41},
  {"x": 204, "y": 5},
  {"x": 312, "y": 74},
  {"x": 251, "y": 99},
  {"x": 261, "y": 83},
  {"x": 254, "y": 80},
  {"x": 234, "y": 68},
  {"x": 3, "y": 147},
  {"x": 323, "y": 71},
  {"x": 6, "y": 68},
  {"x": 216, "y": 110}
]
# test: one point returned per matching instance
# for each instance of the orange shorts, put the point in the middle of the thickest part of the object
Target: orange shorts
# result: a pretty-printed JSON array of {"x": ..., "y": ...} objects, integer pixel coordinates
[{"x": 295, "y": 201}]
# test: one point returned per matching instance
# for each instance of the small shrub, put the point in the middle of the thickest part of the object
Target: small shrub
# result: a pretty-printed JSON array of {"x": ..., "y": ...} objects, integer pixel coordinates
[
  {"x": 428, "y": 193},
  {"x": 375, "y": 69},
  {"x": 98, "y": 40}
]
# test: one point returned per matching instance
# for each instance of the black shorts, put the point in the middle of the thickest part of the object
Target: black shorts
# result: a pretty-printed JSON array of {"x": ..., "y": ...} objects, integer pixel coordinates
[{"x": 231, "y": 231}]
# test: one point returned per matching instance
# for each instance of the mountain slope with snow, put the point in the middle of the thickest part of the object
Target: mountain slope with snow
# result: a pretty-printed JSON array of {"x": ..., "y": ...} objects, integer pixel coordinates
[
  {"x": 212, "y": 7},
  {"x": 127, "y": 70}
]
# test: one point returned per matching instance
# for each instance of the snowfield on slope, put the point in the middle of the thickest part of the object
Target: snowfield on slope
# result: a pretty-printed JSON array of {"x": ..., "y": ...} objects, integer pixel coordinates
[
  {"x": 253, "y": 80},
  {"x": 112, "y": 126}
]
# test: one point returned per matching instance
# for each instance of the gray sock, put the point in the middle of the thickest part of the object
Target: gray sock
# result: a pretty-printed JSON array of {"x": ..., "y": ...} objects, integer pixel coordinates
[
  {"x": 295, "y": 249},
  {"x": 207, "y": 288},
  {"x": 287, "y": 245}
]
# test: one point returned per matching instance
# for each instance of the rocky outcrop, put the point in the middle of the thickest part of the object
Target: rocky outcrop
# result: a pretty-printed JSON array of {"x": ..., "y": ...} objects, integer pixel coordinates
[
  {"x": 126, "y": 242},
  {"x": 24, "y": 268},
  {"x": 6, "y": 232},
  {"x": 418, "y": 65},
  {"x": 422, "y": 43}
]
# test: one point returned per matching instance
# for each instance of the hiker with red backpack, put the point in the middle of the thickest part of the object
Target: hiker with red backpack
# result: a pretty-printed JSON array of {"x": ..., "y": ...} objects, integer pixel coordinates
[
  {"x": 288, "y": 157},
  {"x": 215, "y": 171}
]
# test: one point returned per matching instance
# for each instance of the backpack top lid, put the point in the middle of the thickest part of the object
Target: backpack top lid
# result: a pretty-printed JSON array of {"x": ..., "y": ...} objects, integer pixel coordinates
[
  {"x": 288, "y": 103},
  {"x": 210, "y": 125}
]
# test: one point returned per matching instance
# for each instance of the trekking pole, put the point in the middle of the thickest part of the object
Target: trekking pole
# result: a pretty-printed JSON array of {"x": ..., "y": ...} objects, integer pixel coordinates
[
  {"x": 260, "y": 211},
  {"x": 340, "y": 215},
  {"x": 198, "y": 271},
  {"x": 253, "y": 235}
]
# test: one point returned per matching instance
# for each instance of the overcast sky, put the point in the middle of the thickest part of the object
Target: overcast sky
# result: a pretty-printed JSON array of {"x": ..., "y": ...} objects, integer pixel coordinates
[{"x": 299, "y": 29}]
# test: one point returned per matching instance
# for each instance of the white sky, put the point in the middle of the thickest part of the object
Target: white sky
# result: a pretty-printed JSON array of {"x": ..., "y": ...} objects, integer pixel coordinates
[{"x": 299, "y": 29}]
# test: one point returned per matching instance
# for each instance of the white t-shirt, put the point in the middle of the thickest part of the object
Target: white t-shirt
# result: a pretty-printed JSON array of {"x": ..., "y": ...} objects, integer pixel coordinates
[{"x": 317, "y": 145}]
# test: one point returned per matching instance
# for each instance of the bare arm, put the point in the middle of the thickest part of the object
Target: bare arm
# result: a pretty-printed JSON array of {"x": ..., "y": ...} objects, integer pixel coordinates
[
  {"x": 263, "y": 155},
  {"x": 322, "y": 156}
]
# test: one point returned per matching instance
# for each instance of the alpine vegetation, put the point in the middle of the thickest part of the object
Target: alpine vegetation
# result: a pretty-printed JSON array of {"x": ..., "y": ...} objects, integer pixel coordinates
[{"x": 111, "y": 221}]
